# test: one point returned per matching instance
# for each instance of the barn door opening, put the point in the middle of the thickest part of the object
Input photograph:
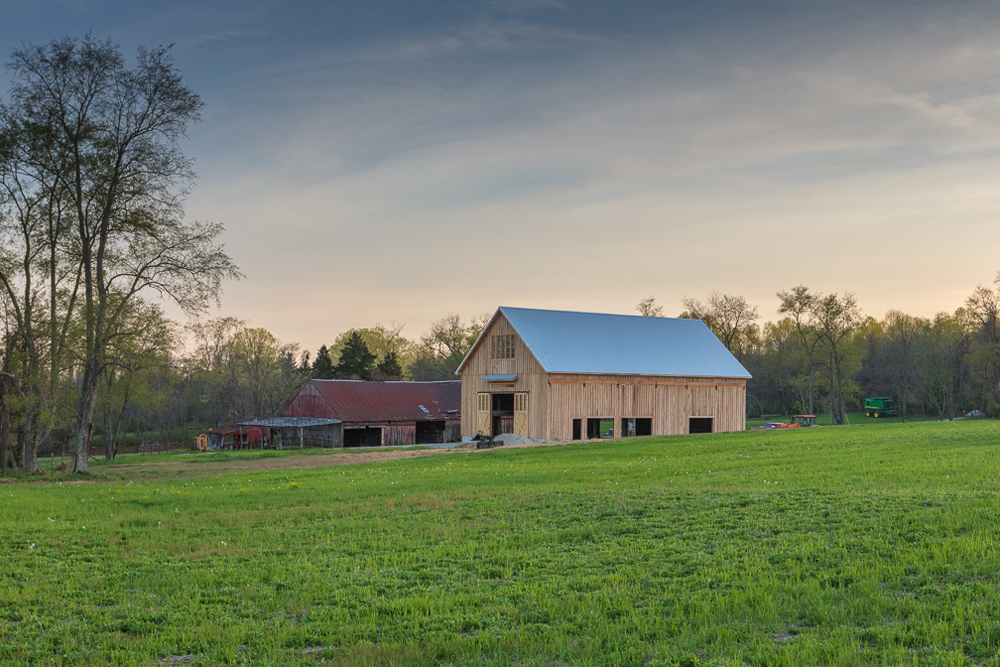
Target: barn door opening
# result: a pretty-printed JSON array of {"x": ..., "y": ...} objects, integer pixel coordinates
[
  {"x": 700, "y": 425},
  {"x": 503, "y": 414},
  {"x": 483, "y": 414},
  {"x": 600, "y": 427},
  {"x": 521, "y": 415}
]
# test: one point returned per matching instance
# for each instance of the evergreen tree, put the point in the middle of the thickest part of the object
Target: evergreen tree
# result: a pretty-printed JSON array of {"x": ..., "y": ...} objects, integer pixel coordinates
[
  {"x": 388, "y": 367},
  {"x": 356, "y": 360},
  {"x": 322, "y": 368}
]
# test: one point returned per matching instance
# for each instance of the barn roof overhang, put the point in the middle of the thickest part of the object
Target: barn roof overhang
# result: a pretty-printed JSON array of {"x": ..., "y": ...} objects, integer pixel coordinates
[{"x": 291, "y": 422}]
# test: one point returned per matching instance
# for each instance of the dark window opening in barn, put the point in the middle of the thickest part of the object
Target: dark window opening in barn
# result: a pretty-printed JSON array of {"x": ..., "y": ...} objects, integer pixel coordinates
[
  {"x": 577, "y": 429},
  {"x": 700, "y": 425},
  {"x": 503, "y": 414},
  {"x": 430, "y": 433},
  {"x": 600, "y": 428},
  {"x": 363, "y": 437},
  {"x": 644, "y": 426},
  {"x": 628, "y": 427},
  {"x": 503, "y": 346}
]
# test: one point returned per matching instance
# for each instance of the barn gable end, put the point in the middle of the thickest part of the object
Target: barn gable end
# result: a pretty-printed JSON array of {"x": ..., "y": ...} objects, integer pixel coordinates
[{"x": 565, "y": 375}]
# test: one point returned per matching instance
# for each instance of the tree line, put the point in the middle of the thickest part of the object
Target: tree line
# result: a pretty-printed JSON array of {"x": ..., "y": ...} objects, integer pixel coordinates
[
  {"x": 825, "y": 355},
  {"x": 92, "y": 186},
  {"x": 92, "y": 235}
]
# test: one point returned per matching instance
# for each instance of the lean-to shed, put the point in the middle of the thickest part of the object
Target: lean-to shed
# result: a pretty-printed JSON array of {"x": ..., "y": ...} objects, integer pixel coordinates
[
  {"x": 384, "y": 413},
  {"x": 567, "y": 375}
]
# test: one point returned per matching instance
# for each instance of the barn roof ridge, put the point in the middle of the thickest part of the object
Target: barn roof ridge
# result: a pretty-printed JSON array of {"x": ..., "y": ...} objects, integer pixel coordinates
[{"x": 565, "y": 341}]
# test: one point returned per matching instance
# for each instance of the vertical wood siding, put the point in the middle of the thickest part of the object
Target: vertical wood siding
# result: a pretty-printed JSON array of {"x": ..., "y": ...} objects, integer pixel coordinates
[
  {"x": 402, "y": 433},
  {"x": 669, "y": 402},
  {"x": 556, "y": 399},
  {"x": 531, "y": 378}
]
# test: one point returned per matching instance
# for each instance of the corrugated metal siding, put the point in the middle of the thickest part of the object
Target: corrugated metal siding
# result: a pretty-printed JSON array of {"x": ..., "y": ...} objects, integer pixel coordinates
[
  {"x": 356, "y": 401},
  {"x": 568, "y": 342}
]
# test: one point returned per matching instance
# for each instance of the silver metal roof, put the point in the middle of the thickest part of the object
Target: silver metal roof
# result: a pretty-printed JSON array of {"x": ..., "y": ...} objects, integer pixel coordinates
[
  {"x": 570, "y": 342},
  {"x": 290, "y": 422}
]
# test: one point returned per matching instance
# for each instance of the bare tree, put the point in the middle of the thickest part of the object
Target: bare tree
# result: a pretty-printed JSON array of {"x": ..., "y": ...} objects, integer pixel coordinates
[
  {"x": 730, "y": 317},
  {"x": 649, "y": 308}
]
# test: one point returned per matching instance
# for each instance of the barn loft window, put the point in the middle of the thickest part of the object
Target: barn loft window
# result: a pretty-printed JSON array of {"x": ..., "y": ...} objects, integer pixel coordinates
[{"x": 503, "y": 346}]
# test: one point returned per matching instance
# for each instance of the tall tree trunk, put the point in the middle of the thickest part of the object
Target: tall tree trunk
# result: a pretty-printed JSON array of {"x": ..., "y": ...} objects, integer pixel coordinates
[
  {"x": 85, "y": 425},
  {"x": 29, "y": 443},
  {"x": 4, "y": 430},
  {"x": 812, "y": 382},
  {"x": 110, "y": 439}
]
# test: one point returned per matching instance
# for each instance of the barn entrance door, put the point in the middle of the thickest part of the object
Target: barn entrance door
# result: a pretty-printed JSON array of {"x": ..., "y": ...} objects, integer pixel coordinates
[
  {"x": 483, "y": 413},
  {"x": 521, "y": 415}
]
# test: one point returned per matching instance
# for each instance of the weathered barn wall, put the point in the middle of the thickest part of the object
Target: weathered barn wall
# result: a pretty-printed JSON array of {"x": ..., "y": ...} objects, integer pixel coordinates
[
  {"x": 308, "y": 403},
  {"x": 400, "y": 434}
]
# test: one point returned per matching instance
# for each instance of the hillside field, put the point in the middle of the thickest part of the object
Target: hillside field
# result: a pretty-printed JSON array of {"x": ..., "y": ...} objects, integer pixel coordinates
[{"x": 861, "y": 545}]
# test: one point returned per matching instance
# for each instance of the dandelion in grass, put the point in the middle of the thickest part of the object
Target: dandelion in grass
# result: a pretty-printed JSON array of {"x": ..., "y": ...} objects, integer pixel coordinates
[{"x": 292, "y": 485}]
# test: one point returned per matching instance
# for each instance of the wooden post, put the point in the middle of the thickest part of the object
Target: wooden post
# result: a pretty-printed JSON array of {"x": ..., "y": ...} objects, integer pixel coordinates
[{"x": 301, "y": 438}]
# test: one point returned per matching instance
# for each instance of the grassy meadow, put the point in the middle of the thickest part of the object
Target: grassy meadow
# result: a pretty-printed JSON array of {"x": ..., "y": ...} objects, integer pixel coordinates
[{"x": 873, "y": 545}]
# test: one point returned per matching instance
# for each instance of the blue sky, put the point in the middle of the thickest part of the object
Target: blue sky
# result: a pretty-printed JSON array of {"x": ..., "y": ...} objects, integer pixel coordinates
[{"x": 378, "y": 162}]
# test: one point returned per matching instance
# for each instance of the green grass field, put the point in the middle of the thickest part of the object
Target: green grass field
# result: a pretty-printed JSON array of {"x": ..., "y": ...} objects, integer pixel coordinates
[{"x": 830, "y": 546}]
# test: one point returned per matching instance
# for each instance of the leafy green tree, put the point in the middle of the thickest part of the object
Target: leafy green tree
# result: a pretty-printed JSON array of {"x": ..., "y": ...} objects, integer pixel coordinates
[
  {"x": 356, "y": 360},
  {"x": 388, "y": 368},
  {"x": 798, "y": 304},
  {"x": 322, "y": 367},
  {"x": 381, "y": 340},
  {"x": 730, "y": 317},
  {"x": 243, "y": 372},
  {"x": 443, "y": 348},
  {"x": 837, "y": 319},
  {"x": 101, "y": 142},
  {"x": 133, "y": 360}
]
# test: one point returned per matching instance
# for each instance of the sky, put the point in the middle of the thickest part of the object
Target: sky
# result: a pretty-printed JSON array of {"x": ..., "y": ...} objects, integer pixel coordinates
[{"x": 400, "y": 161}]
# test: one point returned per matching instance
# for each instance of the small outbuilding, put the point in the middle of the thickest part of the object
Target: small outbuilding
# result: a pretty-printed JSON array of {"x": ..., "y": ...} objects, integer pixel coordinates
[
  {"x": 237, "y": 436},
  {"x": 300, "y": 432},
  {"x": 563, "y": 375},
  {"x": 384, "y": 413}
]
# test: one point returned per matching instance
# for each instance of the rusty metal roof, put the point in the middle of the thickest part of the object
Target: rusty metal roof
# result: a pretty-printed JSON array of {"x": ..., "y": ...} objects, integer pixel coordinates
[{"x": 357, "y": 401}]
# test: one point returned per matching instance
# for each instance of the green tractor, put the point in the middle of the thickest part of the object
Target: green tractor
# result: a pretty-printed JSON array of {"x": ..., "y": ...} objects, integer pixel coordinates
[{"x": 881, "y": 406}]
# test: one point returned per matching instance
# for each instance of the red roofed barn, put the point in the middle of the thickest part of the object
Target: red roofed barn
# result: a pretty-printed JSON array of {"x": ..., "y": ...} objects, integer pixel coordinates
[{"x": 385, "y": 413}]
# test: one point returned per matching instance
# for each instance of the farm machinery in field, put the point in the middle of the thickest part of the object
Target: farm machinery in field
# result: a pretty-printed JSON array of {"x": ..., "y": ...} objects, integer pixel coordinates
[
  {"x": 797, "y": 421},
  {"x": 880, "y": 406}
]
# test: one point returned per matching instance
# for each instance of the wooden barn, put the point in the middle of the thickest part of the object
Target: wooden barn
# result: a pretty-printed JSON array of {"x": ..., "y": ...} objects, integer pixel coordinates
[
  {"x": 384, "y": 413},
  {"x": 568, "y": 376}
]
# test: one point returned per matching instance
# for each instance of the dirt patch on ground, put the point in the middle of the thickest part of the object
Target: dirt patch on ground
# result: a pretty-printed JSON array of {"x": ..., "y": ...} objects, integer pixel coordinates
[
  {"x": 277, "y": 463},
  {"x": 188, "y": 469}
]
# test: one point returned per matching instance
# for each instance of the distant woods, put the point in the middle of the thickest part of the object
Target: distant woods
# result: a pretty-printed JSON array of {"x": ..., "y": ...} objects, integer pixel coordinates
[
  {"x": 826, "y": 355},
  {"x": 383, "y": 353},
  {"x": 92, "y": 232}
]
